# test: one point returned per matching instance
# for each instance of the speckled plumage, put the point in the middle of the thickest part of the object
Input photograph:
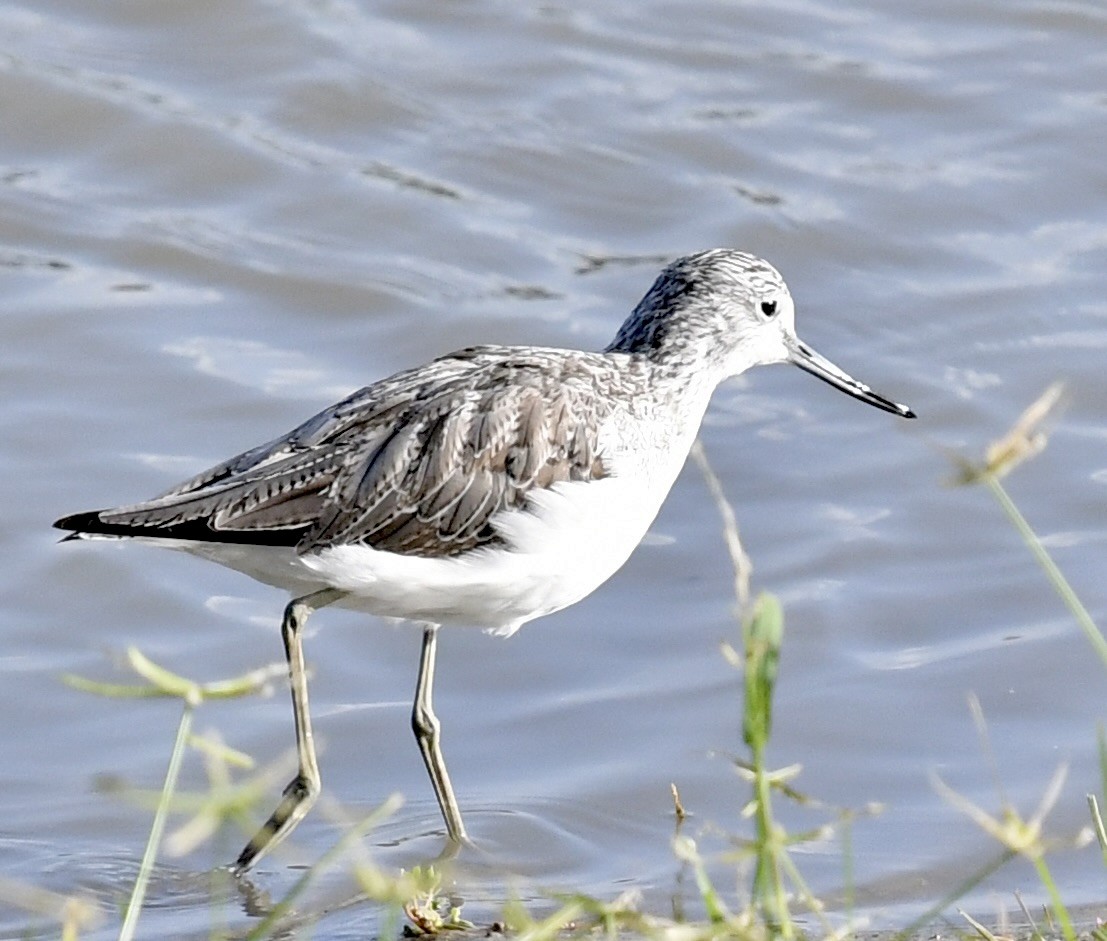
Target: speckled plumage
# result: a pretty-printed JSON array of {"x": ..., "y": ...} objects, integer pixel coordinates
[{"x": 489, "y": 487}]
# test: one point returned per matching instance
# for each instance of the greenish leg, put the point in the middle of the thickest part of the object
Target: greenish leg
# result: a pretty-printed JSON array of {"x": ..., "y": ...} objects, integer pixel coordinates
[{"x": 303, "y": 789}]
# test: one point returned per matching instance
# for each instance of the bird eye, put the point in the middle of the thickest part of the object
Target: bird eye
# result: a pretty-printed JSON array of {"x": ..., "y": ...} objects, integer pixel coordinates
[{"x": 768, "y": 308}]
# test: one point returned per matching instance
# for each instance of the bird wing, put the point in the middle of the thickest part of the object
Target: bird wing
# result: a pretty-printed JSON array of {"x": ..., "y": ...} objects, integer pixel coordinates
[{"x": 417, "y": 464}]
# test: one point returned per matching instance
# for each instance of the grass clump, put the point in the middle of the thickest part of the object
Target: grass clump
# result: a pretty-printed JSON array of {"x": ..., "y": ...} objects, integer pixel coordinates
[
  {"x": 776, "y": 881},
  {"x": 1018, "y": 835},
  {"x": 163, "y": 683}
]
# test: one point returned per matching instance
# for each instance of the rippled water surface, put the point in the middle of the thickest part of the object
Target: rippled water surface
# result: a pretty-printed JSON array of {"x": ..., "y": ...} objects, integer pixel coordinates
[{"x": 215, "y": 218}]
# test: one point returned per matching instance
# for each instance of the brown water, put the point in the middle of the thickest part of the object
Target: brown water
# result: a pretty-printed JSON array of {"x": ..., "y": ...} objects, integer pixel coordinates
[{"x": 215, "y": 218}]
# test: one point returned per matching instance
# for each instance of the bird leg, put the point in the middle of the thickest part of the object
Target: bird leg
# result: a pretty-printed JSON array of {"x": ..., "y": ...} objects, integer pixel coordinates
[
  {"x": 303, "y": 789},
  {"x": 427, "y": 733}
]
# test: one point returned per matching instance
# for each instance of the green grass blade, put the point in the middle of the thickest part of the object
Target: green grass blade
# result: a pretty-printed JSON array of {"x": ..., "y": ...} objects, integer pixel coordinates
[
  {"x": 112, "y": 690},
  {"x": 138, "y": 892},
  {"x": 1097, "y": 826},
  {"x": 763, "y": 633},
  {"x": 1060, "y": 912},
  {"x": 1053, "y": 573}
]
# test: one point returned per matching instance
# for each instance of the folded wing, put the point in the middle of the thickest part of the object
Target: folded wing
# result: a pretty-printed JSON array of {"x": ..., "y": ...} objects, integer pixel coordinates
[{"x": 417, "y": 464}]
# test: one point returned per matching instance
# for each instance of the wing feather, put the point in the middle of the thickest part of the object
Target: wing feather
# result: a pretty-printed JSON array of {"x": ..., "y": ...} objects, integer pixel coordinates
[{"x": 418, "y": 464}]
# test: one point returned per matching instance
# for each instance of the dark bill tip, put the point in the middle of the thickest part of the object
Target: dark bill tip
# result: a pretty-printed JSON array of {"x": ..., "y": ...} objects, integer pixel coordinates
[{"x": 822, "y": 368}]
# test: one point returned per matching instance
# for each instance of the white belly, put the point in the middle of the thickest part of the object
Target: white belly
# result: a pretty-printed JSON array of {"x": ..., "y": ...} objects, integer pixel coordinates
[{"x": 571, "y": 539}]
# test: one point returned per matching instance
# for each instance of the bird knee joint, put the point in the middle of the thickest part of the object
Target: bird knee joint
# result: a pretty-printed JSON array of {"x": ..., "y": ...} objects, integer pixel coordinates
[
  {"x": 424, "y": 723},
  {"x": 302, "y": 789}
]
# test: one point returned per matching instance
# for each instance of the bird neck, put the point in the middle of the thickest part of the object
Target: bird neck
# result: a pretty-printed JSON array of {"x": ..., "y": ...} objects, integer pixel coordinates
[{"x": 674, "y": 334}]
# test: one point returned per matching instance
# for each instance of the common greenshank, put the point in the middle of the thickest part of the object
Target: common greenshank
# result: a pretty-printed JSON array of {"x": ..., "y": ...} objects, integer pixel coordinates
[{"x": 488, "y": 487}]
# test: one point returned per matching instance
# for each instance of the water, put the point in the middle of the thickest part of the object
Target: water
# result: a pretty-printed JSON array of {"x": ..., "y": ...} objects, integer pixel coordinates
[{"x": 216, "y": 218}]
